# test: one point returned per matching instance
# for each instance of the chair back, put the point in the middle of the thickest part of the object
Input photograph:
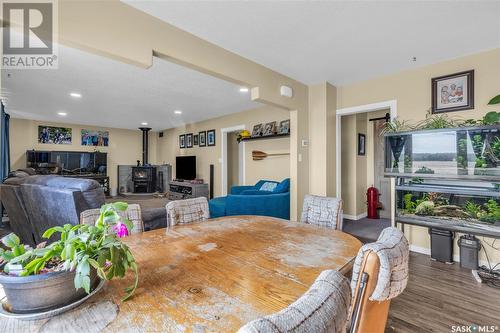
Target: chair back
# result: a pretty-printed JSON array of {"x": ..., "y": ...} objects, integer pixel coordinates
[
  {"x": 322, "y": 211},
  {"x": 187, "y": 211},
  {"x": 322, "y": 309},
  {"x": 380, "y": 274},
  {"x": 133, "y": 214}
]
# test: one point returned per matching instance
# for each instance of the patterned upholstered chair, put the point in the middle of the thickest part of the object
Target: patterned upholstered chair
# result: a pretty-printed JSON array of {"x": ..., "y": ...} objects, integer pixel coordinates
[
  {"x": 322, "y": 309},
  {"x": 322, "y": 211},
  {"x": 380, "y": 273},
  {"x": 133, "y": 213},
  {"x": 187, "y": 211}
]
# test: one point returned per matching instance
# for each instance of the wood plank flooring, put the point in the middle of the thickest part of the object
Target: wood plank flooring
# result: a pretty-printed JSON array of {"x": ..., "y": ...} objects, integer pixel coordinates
[{"x": 439, "y": 296}]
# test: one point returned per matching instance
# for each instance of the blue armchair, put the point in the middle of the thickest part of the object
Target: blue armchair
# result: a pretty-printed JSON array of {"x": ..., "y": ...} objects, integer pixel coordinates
[{"x": 266, "y": 198}]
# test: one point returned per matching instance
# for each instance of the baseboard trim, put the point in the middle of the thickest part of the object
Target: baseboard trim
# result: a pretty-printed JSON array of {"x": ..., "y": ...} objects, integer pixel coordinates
[{"x": 354, "y": 217}]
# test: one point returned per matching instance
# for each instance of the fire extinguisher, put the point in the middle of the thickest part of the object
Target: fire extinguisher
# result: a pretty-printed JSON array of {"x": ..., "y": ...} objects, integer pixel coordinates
[{"x": 373, "y": 203}]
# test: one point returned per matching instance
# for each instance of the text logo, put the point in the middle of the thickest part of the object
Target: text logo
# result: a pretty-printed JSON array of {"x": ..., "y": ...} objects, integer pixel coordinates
[{"x": 29, "y": 34}]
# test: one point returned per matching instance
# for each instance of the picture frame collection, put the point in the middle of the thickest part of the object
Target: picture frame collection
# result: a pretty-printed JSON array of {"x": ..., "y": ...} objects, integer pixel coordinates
[
  {"x": 202, "y": 139},
  {"x": 271, "y": 128}
]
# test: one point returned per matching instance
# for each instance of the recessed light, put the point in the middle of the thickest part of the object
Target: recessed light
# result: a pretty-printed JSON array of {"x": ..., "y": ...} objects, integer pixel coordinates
[
  {"x": 178, "y": 112},
  {"x": 75, "y": 94},
  {"x": 144, "y": 124},
  {"x": 243, "y": 89},
  {"x": 63, "y": 114}
]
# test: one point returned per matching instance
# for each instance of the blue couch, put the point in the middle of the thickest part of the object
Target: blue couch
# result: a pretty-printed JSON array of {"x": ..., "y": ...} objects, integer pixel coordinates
[{"x": 266, "y": 198}]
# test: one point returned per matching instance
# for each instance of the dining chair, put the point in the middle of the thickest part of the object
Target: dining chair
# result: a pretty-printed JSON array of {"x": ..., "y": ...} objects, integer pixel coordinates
[
  {"x": 324, "y": 308},
  {"x": 187, "y": 211},
  {"x": 322, "y": 211},
  {"x": 380, "y": 273},
  {"x": 133, "y": 214}
]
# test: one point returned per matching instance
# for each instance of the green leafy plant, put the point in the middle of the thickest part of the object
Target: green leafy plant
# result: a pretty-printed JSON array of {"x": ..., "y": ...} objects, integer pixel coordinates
[
  {"x": 491, "y": 118},
  {"x": 481, "y": 163},
  {"x": 410, "y": 205},
  {"x": 437, "y": 121},
  {"x": 494, "y": 100},
  {"x": 395, "y": 126},
  {"x": 80, "y": 248},
  {"x": 473, "y": 209},
  {"x": 492, "y": 213}
]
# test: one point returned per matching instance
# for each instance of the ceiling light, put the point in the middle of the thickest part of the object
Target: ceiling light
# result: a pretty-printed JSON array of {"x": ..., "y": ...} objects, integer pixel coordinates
[
  {"x": 144, "y": 124},
  {"x": 243, "y": 89},
  {"x": 75, "y": 94},
  {"x": 63, "y": 114},
  {"x": 178, "y": 112}
]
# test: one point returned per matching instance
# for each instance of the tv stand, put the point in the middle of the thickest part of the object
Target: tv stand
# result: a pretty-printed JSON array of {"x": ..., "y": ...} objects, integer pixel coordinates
[{"x": 186, "y": 190}]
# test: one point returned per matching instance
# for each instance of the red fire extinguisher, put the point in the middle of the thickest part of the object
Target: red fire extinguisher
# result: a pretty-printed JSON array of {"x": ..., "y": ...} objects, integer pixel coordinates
[{"x": 373, "y": 203}]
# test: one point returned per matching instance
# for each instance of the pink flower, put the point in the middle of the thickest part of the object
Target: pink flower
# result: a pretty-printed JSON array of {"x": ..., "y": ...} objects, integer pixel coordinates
[{"x": 120, "y": 229}]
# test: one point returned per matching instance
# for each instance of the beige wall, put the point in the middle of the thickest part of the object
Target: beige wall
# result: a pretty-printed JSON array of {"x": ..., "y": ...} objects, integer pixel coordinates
[
  {"x": 125, "y": 146},
  {"x": 233, "y": 160},
  {"x": 322, "y": 139},
  {"x": 354, "y": 167},
  {"x": 276, "y": 168},
  {"x": 412, "y": 90}
]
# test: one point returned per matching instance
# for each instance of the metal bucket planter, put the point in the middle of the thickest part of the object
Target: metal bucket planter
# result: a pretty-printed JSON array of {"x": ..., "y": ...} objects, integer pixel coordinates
[{"x": 43, "y": 292}]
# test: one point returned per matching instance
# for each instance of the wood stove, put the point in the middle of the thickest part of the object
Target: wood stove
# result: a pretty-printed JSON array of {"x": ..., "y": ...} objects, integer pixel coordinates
[{"x": 144, "y": 178}]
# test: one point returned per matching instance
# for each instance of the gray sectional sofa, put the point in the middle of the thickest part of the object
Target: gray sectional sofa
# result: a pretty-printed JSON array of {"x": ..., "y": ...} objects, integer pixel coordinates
[{"x": 36, "y": 202}]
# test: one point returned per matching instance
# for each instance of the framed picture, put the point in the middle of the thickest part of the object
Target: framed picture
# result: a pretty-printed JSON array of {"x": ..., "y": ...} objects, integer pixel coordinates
[
  {"x": 284, "y": 127},
  {"x": 211, "y": 138},
  {"x": 95, "y": 138},
  {"x": 270, "y": 129},
  {"x": 361, "y": 144},
  {"x": 195, "y": 139},
  {"x": 453, "y": 92},
  {"x": 202, "y": 139},
  {"x": 189, "y": 140},
  {"x": 54, "y": 135},
  {"x": 257, "y": 130},
  {"x": 182, "y": 141}
]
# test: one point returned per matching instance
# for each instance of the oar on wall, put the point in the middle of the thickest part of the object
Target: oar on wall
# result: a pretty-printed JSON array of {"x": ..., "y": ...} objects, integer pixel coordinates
[{"x": 258, "y": 155}]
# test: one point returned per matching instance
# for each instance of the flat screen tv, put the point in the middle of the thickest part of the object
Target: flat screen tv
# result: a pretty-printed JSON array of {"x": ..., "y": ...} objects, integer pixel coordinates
[{"x": 185, "y": 167}]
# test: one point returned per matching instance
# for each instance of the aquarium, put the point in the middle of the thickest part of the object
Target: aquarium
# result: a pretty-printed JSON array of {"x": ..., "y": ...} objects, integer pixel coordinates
[
  {"x": 459, "y": 153},
  {"x": 465, "y": 206}
]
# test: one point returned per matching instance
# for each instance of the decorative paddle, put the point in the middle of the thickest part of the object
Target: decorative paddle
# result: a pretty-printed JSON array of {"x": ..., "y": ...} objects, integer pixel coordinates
[{"x": 258, "y": 155}]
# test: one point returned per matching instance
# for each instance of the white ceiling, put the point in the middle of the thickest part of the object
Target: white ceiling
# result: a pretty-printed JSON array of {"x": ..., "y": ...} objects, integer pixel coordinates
[
  {"x": 338, "y": 41},
  {"x": 115, "y": 94}
]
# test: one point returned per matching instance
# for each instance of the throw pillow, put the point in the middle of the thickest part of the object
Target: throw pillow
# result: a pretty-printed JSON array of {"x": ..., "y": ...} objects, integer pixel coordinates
[{"x": 268, "y": 186}]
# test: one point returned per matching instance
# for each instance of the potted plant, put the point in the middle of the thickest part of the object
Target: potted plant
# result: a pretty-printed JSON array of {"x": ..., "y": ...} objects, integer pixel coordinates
[{"x": 54, "y": 275}]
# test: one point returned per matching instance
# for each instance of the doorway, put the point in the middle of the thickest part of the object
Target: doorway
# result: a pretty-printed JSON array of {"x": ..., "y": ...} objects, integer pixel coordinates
[
  {"x": 360, "y": 168},
  {"x": 233, "y": 159}
]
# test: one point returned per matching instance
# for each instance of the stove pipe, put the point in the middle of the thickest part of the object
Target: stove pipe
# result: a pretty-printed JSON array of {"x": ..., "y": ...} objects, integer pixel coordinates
[{"x": 145, "y": 144}]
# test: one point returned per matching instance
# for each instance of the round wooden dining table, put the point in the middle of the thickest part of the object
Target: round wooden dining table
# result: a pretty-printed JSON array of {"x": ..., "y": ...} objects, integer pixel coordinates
[{"x": 212, "y": 276}]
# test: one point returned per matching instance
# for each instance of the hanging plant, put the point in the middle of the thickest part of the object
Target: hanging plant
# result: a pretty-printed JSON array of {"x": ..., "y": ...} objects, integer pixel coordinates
[{"x": 494, "y": 100}]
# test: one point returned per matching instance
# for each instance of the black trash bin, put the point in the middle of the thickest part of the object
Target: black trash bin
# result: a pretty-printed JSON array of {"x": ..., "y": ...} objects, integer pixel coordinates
[{"x": 441, "y": 245}]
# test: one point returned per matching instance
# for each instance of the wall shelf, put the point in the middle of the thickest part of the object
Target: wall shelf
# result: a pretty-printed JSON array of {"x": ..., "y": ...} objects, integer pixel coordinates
[{"x": 275, "y": 136}]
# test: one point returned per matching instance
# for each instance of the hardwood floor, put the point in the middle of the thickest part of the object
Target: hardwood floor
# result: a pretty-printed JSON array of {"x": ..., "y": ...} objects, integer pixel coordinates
[{"x": 439, "y": 296}]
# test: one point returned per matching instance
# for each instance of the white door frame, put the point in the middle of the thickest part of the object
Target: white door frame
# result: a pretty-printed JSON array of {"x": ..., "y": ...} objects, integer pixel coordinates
[
  {"x": 392, "y": 105},
  {"x": 223, "y": 160}
]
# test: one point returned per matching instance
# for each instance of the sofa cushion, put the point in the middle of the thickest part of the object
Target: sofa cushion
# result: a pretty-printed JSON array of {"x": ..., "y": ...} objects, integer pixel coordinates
[
  {"x": 63, "y": 182},
  {"x": 268, "y": 186},
  {"x": 283, "y": 187},
  {"x": 217, "y": 207}
]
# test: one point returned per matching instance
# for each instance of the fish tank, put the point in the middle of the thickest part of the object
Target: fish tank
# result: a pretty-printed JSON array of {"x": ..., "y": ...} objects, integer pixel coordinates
[
  {"x": 463, "y": 206},
  {"x": 457, "y": 153}
]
